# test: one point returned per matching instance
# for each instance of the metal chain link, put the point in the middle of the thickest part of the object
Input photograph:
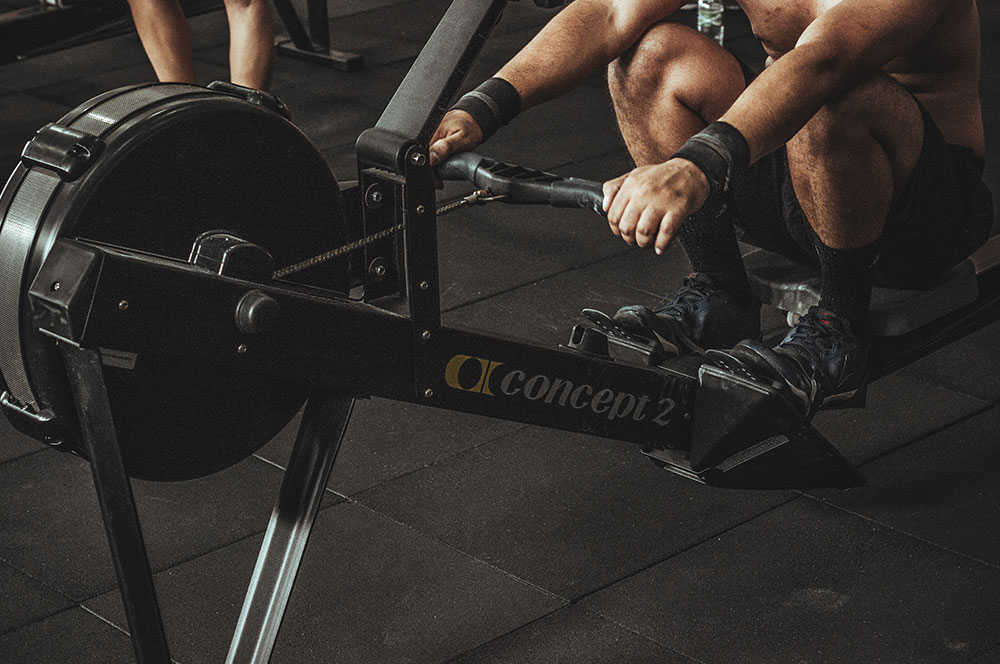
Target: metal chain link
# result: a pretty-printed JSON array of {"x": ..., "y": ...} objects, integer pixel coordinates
[{"x": 478, "y": 197}]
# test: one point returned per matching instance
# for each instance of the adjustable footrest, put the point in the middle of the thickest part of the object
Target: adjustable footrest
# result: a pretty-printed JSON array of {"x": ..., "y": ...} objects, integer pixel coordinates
[
  {"x": 745, "y": 436},
  {"x": 793, "y": 287}
]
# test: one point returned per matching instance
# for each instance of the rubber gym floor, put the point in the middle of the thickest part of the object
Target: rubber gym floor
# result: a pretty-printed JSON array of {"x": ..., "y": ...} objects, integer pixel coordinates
[{"x": 447, "y": 537}]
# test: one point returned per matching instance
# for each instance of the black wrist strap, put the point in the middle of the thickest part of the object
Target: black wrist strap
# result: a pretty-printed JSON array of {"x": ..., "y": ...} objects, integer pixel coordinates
[
  {"x": 492, "y": 105},
  {"x": 720, "y": 152}
]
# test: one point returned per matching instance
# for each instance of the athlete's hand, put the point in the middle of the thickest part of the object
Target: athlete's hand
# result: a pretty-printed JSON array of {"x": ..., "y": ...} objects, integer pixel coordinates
[
  {"x": 458, "y": 132},
  {"x": 647, "y": 206}
]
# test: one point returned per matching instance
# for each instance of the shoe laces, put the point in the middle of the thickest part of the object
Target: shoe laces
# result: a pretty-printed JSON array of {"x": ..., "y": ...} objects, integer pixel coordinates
[
  {"x": 694, "y": 289},
  {"x": 817, "y": 335}
]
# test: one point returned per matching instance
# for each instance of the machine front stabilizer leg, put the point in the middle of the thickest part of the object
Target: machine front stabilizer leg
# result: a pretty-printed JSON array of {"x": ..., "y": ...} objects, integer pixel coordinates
[{"x": 320, "y": 433}]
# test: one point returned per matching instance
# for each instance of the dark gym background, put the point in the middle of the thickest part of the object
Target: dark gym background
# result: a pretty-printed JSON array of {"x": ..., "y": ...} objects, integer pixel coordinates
[{"x": 453, "y": 538}]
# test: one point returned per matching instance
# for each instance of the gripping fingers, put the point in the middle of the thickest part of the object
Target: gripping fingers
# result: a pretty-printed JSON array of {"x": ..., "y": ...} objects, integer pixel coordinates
[
  {"x": 611, "y": 189},
  {"x": 669, "y": 225},
  {"x": 648, "y": 226}
]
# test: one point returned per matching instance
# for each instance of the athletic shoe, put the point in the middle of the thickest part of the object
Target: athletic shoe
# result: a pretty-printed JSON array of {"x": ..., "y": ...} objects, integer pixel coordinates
[
  {"x": 819, "y": 362},
  {"x": 697, "y": 317}
]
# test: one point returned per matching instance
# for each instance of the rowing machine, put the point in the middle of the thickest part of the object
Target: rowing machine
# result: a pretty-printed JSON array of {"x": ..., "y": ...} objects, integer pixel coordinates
[{"x": 167, "y": 331}]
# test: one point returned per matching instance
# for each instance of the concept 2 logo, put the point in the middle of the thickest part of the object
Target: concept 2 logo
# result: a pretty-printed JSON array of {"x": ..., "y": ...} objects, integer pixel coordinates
[{"x": 475, "y": 374}]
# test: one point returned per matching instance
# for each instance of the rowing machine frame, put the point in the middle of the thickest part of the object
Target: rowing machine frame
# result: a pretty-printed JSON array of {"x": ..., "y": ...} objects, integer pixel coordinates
[{"x": 673, "y": 406}]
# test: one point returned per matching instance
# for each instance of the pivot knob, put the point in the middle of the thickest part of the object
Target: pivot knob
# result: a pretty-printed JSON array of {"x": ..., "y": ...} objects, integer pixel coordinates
[{"x": 257, "y": 312}]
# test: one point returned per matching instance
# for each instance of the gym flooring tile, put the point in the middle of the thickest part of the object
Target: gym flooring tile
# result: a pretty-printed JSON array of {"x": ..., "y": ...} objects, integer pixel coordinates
[
  {"x": 370, "y": 590},
  {"x": 992, "y": 657},
  {"x": 935, "y": 488},
  {"x": 574, "y": 127},
  {"x": 14, "y": 444},
  {"x": 23, "y": 114},
  {"x": 75, "y": 92},
  {"x": 810, "y": 583},
  {"x": 53, "y": 529},
  {"x": 545, "y": 309},
  {"x": 482, "y": 252},
  {"x": 388, "y": 439},
  {"x": 74, "y": 635},
  {"x": 567, "y": 512},
  {"x": 572, "y": 636},
  {"x": 327, "y": 118},
  {"x": 33, "y": 600},
  {"x": 960, "y": 365},
  {"x": 901, "y": 409},
  {"x": 371, "y": 88},
  {"x": 74, "y": 63}
]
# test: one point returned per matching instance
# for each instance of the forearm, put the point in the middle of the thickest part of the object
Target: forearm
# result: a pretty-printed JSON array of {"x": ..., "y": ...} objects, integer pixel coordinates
[
  {"x": 786, "y": 95},
  {"x": 582, "y": 39},
  {"x": 846, "y": 44}
]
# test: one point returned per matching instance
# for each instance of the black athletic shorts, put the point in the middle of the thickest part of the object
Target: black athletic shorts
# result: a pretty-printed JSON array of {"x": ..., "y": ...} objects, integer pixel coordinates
[{"x": 942, "y": 216}]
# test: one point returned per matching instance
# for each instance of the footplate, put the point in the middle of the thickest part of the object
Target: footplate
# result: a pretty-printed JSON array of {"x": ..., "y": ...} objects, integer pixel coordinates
[
  {"x": 617, "y": 343},
  {"x": 746, "y": 436}
]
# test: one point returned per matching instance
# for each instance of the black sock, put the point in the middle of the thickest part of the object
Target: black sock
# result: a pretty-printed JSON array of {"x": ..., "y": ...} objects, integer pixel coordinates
[
  {"x": 847, "y": 282},
  {"x": 710, "y": 244}
]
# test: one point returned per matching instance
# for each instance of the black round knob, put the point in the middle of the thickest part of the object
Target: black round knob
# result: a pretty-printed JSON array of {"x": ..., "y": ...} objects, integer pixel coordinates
[{"x": 257, "y": 312}]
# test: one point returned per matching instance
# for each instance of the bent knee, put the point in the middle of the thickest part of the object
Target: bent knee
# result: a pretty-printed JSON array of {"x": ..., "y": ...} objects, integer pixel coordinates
[
  {"x": 674, "y": 59},
  {"x": 878, "y": 107}
]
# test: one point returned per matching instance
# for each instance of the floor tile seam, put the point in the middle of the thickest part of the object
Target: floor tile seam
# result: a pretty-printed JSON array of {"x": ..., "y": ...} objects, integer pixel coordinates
[
  {"x": 632, "y": 630},
  {"x": 437, "y": 460},
  {"x": 41, "y": 582},
  {"x": 986, "y": 407},
  {"x": 41, "y": 618},
  {"x": 902, "y": 532},
  {"x": 464, "y": 554},
  {"x": 531, "y": 282},
  {"x": 121, "y": 629},
  {"x": 947, "y": 384},
  {"x": 793, "y": 496},
  {"x": 498, "y": 637},
  {"x": 21, "y": 456},
  {"x": 433, "y": 462}
]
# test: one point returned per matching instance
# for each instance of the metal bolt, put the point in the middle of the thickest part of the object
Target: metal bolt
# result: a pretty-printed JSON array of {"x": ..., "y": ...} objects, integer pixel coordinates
[
  {"x": 428, "y": 393},
  {"x": 242, "y": 348},
  {"x": 123, "y": 305},
  {"x": 379, "y": 270},
  {"x": 426, "y": 335},
  {"x": 374, "y": 196},
  {"x": 55, "y": 286},
  {"x": 418, "y": 158},
  {"x": 424, "y": 285},
  {"x": 421, "y": 209}
]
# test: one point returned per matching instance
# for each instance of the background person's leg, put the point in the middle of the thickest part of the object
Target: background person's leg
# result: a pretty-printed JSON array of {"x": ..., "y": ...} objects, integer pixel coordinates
[
  {"x": 251, "y": 42},
  {"x": 165, "y": 36}
]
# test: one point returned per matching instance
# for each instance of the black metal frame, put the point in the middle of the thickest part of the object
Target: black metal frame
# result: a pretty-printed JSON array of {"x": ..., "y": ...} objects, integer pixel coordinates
[{"x": 673, "y": 406}]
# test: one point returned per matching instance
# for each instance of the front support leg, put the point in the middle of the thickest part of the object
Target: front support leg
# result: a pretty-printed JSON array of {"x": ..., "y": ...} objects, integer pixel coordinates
[
  {"x": 299, "y": 498},
  {"x": 114, "y": 493}
]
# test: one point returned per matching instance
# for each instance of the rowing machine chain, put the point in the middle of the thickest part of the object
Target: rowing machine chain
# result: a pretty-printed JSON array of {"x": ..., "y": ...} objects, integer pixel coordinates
[{"x": 478, "y": 197}]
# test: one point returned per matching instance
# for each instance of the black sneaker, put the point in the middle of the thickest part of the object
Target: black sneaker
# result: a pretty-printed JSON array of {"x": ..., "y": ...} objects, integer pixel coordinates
[
  {"x": 819, "y": 361},
  {"x": 699, "y": 316}
]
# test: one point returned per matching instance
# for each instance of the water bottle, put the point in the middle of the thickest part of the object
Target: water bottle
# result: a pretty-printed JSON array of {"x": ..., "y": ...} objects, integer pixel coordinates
[{"x": 710, "y": 19}]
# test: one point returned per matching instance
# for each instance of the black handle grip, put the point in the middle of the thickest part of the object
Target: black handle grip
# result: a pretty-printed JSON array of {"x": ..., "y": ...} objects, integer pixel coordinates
[{"x": 522, "y": 185}]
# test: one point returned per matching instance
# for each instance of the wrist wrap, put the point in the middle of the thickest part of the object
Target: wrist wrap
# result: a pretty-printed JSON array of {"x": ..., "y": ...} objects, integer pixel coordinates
[
  {"x": 492, "y": 105},
  {"x": 720, "y": 152}
]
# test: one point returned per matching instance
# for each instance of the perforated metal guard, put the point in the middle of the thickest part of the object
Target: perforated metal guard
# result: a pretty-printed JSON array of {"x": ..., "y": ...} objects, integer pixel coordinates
[{"x": 27, "y": 209}]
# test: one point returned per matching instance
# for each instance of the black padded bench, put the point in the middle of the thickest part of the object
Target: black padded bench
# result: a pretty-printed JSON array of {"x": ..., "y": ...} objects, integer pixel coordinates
[{"x": 793, "y": 288}]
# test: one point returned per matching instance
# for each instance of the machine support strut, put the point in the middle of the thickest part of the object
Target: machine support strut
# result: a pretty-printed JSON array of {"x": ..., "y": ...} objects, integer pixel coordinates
[
  {"x": 322, "y": 428},
  {"x": 114, "y": 493}
]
